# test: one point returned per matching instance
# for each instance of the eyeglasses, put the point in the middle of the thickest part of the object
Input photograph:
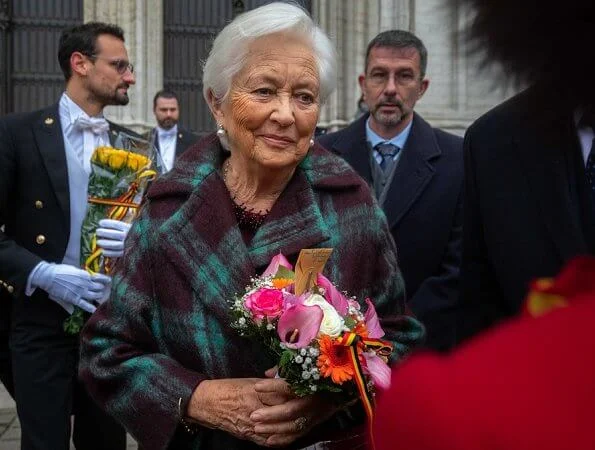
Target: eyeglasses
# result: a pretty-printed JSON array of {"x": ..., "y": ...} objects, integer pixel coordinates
[
  {"x": 401, "y": 78},
  {"x": 121, "y": 65}
]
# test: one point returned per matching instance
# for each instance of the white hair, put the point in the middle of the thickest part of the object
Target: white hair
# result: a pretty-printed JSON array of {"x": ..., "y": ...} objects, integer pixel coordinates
[{"x": 230, "y": 48}]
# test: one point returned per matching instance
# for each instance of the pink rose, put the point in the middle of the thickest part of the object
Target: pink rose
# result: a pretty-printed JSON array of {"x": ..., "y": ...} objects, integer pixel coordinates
[{"x": 265, "y": 303}]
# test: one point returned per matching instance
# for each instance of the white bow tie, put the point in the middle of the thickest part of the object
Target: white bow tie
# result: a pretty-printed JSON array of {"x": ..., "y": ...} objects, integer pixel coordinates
[
  {"x": 96, "y": 125},
  {"x": 167, "y": 134}
]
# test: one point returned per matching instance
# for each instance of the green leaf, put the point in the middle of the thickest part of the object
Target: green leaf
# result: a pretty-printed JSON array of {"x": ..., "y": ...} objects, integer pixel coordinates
[
  {"x": 350, "y": 322},
  {"x": 286, "y": 358},
  {"x": 284, "y": 272},
  {"x": 74, "y": 324}
]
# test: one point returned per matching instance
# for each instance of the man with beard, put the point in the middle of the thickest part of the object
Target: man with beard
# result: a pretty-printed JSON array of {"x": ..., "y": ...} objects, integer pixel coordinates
[
  {"x": 169, "y": 139},
  {"x": 416, "y": 172},
  {"x": 44, "y": 171}
]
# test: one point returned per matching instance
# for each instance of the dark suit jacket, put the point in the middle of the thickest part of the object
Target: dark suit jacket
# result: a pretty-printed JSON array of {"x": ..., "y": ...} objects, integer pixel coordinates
[
  {"x": 34, "y": 198},
  {"x": 525, "y": 210},
  {"x": 424, "y": 211},
  {"x": 184, "y": 140},
  {"x": 35, "y": 211}
]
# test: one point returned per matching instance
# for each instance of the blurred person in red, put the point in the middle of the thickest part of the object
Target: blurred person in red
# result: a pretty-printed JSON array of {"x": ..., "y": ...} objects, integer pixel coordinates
[{"x": 527, "y": 384}]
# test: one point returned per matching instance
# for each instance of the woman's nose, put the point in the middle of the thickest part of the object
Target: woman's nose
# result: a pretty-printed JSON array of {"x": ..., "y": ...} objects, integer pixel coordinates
[{"x": 283, "y": 112}]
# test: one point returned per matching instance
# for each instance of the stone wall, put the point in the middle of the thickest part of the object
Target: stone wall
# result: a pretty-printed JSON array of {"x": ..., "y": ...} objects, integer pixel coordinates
[{"x": 458, "y": 92}]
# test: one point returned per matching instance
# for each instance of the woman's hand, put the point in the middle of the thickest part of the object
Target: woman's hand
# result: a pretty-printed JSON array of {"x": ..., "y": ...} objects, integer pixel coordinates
[
  {"x": 276, "y": 392},
  {"x": 289, "y": 417},
  {"x": 227, "y": 405}
]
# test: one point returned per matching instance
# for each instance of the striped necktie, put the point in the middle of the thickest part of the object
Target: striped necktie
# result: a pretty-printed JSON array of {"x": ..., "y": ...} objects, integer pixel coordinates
[{"x": 387, "y": 151}]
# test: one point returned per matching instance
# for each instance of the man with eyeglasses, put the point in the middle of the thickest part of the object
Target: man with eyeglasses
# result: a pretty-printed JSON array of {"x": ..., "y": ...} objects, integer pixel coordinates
[
  {"x": 44, "y": 171},
  {"x": 416, "y": 172}
]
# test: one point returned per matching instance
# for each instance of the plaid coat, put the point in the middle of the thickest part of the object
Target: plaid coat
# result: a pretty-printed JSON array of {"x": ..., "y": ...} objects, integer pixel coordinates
[{"x": 166, "y": 326}]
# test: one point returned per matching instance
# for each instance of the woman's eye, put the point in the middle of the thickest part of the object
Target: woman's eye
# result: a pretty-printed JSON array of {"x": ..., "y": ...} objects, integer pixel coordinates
[
  {"x": 263, "y": 91},
  {"x": 306, "y": 99}
]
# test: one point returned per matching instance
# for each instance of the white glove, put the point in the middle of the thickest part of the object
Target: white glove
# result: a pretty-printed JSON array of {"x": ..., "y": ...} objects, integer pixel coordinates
[
  {"x": 66, "y": 284},
  {"x": 111, "y": 235}
]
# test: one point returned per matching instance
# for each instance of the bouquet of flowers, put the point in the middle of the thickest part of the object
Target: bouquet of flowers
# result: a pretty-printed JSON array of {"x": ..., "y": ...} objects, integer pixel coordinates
[
  {"x": 320, "y": 337},
  {"x": 118, "y": 180}
]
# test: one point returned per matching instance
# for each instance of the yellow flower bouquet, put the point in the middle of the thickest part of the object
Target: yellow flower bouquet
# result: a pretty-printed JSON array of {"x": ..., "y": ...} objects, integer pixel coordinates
[{"x": 117, "y": 183}]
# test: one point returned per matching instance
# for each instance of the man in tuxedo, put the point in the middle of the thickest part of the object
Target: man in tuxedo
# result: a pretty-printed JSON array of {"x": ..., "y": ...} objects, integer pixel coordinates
[
  {"x": 169, "y": 138},
  {"x": 529, "y": 162},
  {"x": 416, "y": 172},
  {"x": 44, "y": 172}
]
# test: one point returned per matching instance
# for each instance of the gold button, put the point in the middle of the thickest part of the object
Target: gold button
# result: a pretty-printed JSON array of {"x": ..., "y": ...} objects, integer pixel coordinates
[
  {"x": 40, "y": 239},
  {"x": 38, "y": 204},
  {"x": 10, "y": 289}
]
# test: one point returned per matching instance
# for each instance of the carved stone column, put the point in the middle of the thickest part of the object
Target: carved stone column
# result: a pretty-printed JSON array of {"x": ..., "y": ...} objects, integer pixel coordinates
[{"x": 142, "y": 21}]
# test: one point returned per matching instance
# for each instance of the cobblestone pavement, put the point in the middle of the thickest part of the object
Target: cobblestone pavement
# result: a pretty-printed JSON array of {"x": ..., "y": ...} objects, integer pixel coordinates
[{"x": 10, "y": 429}]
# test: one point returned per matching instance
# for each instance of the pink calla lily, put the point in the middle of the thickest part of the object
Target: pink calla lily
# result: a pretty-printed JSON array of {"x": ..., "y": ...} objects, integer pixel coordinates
[
  {"x": 290, "y": 299},
  {"x": 375, "y": 331},
  {"x": 332, "y": 295},
  {"x": 378, "y": 370},
  {"x": 299, "y": 325},
  {"x": 273, "y": 267}
]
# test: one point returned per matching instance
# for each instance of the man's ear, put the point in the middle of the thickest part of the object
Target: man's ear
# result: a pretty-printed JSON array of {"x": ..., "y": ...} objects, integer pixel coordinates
[
  {"x": 79, "y": 64},
  {"x": 423, "y": 87},
  {"x": 362, "y": 81}
]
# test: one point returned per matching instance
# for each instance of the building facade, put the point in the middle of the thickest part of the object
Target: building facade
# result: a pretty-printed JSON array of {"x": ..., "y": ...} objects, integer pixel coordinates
[{"x": 168, "y": 39}]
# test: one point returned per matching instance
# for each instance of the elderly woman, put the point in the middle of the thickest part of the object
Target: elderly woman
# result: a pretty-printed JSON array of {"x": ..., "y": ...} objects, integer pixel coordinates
[{"x": 161, "y": 356}]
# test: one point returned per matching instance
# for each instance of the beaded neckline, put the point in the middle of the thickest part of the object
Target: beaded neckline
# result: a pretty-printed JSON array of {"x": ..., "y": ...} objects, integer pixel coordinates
[{"x": 247, "y": 217}]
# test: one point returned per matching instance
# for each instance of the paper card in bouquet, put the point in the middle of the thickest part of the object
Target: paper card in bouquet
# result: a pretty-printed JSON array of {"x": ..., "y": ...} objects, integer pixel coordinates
[
  {"x": 310, "y": 263},
  {"x": 118, "y": 180},
  {"x": 318, "y": 336}
]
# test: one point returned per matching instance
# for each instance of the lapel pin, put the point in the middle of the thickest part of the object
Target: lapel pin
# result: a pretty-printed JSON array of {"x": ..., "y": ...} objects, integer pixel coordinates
[{"x": 48, "y": 121}]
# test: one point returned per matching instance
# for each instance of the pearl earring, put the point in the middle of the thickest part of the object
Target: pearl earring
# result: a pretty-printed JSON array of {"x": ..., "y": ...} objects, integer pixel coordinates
[
  {"x": 221, "y": 131},
  {"x": 311, "y": 142}
]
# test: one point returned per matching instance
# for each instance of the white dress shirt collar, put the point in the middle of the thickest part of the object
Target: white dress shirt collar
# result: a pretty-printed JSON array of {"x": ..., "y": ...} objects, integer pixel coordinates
[
  {"x": 586, "y": 134},
  {"x": 167, "y": 146},
  {"x": 70, "y": 111},
  {"x": 399, "y": 140},
  {"x": 83, "y": 143}
]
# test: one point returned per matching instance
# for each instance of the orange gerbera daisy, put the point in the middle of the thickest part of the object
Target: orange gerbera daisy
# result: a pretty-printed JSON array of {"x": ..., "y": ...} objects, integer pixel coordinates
[
  {"x": 280, "y": 283},
  {"x": 334, "y": 361}
]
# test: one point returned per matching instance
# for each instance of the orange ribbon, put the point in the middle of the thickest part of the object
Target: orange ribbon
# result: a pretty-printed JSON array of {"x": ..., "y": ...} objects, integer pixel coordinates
[{"x": 383, "y": 348}]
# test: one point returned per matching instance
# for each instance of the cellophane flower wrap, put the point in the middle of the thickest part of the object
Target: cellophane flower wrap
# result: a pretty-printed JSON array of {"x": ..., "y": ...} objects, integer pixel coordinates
[
  {"x": 117, "y": 183},
  {"x": 323, "y": 340}
]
